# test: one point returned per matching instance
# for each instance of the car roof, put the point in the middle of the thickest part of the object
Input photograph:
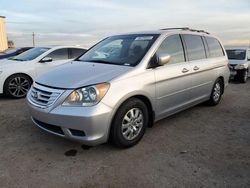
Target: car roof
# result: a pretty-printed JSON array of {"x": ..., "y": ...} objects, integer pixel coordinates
[
  {"x": 21, "y": 48},
  {"x": 59, "y": 46}
]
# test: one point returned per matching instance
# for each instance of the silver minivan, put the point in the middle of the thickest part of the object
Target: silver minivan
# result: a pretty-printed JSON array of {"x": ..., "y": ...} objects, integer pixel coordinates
[{"x": 126, "y": 82}]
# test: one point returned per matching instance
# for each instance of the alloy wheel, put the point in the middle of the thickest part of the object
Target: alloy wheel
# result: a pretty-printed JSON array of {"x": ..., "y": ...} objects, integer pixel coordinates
[
  {"x": 132, "y": 123},
  {"x": 18, "y": 86},
  {"x": 217, "y": 92}
]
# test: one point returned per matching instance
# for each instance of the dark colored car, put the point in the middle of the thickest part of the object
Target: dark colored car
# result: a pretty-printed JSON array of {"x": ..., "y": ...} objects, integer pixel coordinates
[{"x": 11, "y": 52}]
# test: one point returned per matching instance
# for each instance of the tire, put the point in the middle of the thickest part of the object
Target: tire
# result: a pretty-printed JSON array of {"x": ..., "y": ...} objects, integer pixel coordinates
[
  {"x": 127, "y": 130},
  {"x": 17, "y": 86},
  {"x": 243, "y": 75},
  {"x": 216, "y": 92}
]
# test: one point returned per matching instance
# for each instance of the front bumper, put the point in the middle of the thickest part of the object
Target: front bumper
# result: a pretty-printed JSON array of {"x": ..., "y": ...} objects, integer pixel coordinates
[
  {"x": 88, "y": 125},
  {"x": 233, "y": 73},
  {"x": 235, "y": 70}
]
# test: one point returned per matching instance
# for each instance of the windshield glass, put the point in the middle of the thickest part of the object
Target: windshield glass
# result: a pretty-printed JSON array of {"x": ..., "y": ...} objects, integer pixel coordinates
[
  {"x": 30, "y": 54},
  {"x": 236, "y": 54},
  {"x": 120, "y": 50}
]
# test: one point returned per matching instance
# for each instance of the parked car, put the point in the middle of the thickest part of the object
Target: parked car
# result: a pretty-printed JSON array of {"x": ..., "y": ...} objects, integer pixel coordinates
[
  {"x": 239, "y": 61},
  {"x": 115, "y": 94},
  {"x": 18, "y": 73},
  {"x": 11, "y": 52}
]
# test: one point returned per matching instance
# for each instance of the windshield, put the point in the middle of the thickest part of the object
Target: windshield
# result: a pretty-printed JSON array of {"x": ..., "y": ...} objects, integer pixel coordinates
[
  {"x": 30, "y": 54},
  {"x": 120, "y": 50},
  {"x": 236, "y": 54}
]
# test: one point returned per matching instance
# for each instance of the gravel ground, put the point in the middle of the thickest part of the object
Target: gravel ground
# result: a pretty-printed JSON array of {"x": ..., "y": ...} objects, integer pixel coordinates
[{"x": 200, "y": 147}]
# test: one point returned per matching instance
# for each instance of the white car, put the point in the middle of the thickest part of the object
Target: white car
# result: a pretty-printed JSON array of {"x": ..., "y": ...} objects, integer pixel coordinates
[
  {"x": 18, "y": 73},
  {"x": 239, "y": 61}
]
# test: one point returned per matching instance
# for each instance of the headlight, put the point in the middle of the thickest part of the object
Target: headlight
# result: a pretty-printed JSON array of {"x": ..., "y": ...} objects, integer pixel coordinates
[
  {"x": 240, "y": 66},
  {"x": 87, "y": 96}
]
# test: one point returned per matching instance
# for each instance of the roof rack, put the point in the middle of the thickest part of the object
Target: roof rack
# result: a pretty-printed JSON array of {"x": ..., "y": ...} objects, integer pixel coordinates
[{"x": 186, "y": 28}]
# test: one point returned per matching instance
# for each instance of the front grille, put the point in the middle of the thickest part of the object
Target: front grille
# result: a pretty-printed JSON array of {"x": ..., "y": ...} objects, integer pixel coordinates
[
  {"x": 49, "y": 127},
  {"x": 42, "y": 96},
  {"x": 232, "y": 66}
]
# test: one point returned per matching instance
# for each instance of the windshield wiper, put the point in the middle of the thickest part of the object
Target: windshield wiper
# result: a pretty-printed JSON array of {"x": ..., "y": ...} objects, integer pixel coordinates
[
  {"x": 235, "y": 59},
  {"x": 104, "y": 62}
]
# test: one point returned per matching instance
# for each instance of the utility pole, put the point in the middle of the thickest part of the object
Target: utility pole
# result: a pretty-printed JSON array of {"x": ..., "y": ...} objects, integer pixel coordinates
[{"x": 33, "y": 37}]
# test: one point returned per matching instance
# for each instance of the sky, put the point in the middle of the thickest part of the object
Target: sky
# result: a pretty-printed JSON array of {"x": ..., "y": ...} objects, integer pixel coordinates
[{"x": 85, "y": 22}]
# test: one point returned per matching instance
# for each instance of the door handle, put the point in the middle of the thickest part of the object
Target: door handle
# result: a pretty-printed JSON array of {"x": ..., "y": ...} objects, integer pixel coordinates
[
  {"x": 196, "y": 68},
  {"x": 184, "y": 70}
]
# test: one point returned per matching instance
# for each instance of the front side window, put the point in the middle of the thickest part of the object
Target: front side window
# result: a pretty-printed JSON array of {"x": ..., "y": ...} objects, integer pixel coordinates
[
  {"x": 195, "y": 47},
  {"x": 30, "y": 54},
  {"x": 214, "y": 47},
  {"x": 76, "y": 52},
  {"x": 172, "y": 45},
  {"x": 120, "y": 50},
  {"x": 59, "y": 54},
  {"x": 236, "y": 54}
]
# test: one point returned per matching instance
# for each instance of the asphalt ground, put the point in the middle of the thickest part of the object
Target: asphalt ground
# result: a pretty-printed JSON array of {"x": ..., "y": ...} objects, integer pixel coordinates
[{"x": 200, "y": 147}]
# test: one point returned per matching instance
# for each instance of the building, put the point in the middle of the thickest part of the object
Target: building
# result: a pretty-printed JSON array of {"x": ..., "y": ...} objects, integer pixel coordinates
[{"x": 3, "y": 36}]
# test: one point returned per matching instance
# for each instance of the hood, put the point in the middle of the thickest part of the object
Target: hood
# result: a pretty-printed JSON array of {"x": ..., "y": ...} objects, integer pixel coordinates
[
  {"x": 9, "y": 62},
  {"x": 78, "y": 74},
  {"x": 236, "y": 62}
]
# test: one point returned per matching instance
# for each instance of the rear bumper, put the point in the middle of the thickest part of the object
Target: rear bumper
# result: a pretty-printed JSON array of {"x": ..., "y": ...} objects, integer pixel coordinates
[{"x": 88, "y": 125}]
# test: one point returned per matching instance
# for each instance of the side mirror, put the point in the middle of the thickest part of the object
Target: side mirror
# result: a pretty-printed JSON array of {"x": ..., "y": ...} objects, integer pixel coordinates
[
  {"x": 163, "y": 59},
  {"x": 248, "y": 59},
  {"x": 46, "y": 59}
]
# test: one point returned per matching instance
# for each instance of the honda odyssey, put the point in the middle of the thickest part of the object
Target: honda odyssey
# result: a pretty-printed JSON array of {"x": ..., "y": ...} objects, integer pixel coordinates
[{"x": 127, "y": 82}]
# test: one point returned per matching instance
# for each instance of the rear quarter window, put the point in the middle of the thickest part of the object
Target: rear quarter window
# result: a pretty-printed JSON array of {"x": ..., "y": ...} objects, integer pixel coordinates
[{"x": 214, "y": 47}]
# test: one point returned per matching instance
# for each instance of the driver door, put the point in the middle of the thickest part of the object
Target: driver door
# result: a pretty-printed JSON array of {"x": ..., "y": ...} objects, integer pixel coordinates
[{"x": 173, "y": 80}]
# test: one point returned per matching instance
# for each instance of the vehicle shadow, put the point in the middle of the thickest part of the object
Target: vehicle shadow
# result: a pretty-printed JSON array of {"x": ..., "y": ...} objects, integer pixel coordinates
[
  {"x": 3, "y": 97},
  {"x": 235, "y": 82}
]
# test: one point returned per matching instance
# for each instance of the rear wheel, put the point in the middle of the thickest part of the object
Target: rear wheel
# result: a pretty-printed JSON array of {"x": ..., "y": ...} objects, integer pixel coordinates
[
  {"x": 216, "y": 93},
  {"x": 129, "y": 123},
  {"x": 243, "y": 75},
  {"x": 17, "y": 86}
]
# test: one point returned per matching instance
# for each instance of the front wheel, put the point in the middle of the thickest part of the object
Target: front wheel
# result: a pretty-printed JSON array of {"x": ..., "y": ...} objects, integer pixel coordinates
[
  {"x": 216, "y": 93},
  {"x": 17, "y": 86},
  {"x": 129, "y": 123}
]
